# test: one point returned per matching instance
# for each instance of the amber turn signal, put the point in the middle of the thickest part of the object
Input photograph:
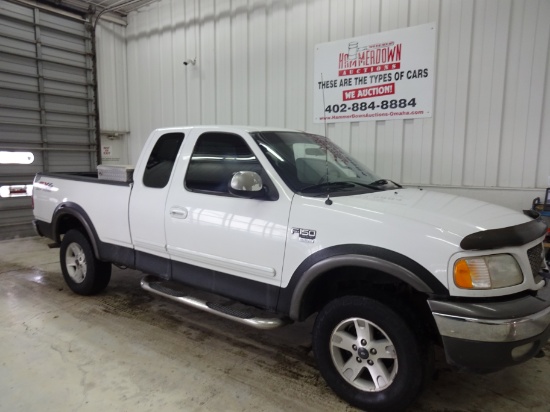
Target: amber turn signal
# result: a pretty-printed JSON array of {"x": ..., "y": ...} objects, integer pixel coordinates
[{"x": 463, "y": 278}]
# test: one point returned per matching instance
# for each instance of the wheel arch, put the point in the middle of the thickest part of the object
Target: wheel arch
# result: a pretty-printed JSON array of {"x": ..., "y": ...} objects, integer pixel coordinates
[
  {"x": 69, "y": 216},
  {"x": 358, "y": 269}
]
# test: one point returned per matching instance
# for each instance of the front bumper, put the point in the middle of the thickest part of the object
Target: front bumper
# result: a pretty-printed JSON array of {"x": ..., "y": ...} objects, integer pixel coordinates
[{"x": 489, "y": 336}]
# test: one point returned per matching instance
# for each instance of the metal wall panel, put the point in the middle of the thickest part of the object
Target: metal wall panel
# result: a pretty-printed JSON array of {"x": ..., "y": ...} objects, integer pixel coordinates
[
  {"x": 112, "y": 90},
  {"x": 112, "y": 76},
  {"x": 46, "y": 102},
  {"x": 490, "y": 134}
]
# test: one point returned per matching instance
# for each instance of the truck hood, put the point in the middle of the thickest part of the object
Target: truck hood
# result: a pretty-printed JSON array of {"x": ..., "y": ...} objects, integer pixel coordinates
[{"x": 456, "y": 215}]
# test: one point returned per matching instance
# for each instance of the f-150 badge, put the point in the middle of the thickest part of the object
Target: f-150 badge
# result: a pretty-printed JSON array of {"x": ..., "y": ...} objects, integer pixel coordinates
[{"x": 304, "y": 235}]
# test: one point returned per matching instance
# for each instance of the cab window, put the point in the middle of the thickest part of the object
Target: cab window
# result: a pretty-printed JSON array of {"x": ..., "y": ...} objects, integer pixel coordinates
[
  {"x": 216, "y": 157},
  {"x": 161, "y": 161}
]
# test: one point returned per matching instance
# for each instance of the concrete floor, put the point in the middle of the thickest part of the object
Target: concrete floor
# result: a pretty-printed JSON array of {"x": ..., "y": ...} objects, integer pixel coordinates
[{"x": 126, "y": 350}]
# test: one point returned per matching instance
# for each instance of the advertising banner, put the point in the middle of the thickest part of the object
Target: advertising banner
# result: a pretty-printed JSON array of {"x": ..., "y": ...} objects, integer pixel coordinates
[{"x": 383, "y": 76}]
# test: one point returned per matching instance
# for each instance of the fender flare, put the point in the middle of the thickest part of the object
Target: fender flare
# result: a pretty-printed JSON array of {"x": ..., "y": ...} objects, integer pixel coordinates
[
  {"x": 76, "y": 211},
  {"x": 383, "y": 260}
]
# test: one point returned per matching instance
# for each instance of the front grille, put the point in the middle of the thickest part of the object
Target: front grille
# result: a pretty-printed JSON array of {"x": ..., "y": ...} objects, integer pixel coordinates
[{"x": 535, "y": 260}]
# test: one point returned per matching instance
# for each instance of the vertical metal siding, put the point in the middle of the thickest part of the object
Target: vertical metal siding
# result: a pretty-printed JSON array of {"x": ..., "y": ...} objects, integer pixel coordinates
[
  {"x": 45, "y": 102},
  {"x": 491, "y": 126},
  {"x": 112, "y": 76}
]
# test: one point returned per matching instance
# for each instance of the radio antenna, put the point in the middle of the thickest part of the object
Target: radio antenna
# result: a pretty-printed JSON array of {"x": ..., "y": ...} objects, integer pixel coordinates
[
  {"x": 328, "y": 201},
  {"x": 324, "y": 107}
]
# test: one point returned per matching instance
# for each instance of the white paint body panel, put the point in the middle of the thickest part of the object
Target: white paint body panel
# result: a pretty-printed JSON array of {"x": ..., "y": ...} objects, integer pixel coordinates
[
  {"x": 146, "y": 206},
  {"x": 105, "y": 204},
  {"x": 242, "y": 237},
  {"x": 425, "y": 226}
]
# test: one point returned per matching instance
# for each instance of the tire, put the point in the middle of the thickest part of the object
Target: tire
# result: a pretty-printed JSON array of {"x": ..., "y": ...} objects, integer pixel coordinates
[
  {"x": 368, "y": 354},
  {"x": 83, "y": 273}
]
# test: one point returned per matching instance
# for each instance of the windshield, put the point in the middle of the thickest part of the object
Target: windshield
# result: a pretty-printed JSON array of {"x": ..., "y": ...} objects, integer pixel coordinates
[{"x": 312, "y": 165}]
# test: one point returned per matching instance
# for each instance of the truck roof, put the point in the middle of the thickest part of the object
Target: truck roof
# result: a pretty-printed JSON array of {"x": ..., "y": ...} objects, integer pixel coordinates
[{"x": 227, "y": 128}]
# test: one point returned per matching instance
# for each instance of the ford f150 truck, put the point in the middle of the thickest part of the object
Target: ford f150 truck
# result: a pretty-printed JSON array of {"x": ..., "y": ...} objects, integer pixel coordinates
[{"x": 287, "y": 223}]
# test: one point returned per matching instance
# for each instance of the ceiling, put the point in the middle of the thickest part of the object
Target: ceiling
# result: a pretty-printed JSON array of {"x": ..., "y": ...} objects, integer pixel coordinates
[{"x": 119, "y": 8}]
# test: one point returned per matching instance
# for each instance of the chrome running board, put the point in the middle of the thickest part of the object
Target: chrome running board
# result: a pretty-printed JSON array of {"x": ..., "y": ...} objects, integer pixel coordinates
[{"x": 160, "y": 287}]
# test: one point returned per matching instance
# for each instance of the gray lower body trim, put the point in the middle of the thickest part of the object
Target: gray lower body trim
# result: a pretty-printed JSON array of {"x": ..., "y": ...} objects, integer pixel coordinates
[
  {"x": 489, "y": 330},
  {"x": 35, "y": 227},
  {"x": 512, "y": 320}
]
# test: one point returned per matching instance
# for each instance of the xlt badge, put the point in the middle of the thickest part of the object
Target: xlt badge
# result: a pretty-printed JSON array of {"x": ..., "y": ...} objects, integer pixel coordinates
[{"x": 304, "y": 235}]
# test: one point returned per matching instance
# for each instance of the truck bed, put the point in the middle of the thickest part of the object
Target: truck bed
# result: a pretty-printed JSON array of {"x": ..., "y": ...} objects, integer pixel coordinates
[
  {"x": 103, "y": 202},
  {"x": 90, "y": 177}
]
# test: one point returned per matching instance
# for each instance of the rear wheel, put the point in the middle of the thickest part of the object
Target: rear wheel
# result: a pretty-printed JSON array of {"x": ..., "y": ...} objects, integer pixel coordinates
[
  {"x": 368, "y": 354},
  {"x": 83, "y": 273}
]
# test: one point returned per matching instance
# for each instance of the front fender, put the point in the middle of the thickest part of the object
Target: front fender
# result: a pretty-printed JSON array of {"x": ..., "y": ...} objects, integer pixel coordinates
[{"x": 390, "y": 263}]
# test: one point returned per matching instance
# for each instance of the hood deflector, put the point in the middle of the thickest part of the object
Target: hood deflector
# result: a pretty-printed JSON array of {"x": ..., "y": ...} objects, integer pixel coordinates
[{"x": 508, "y": 236}]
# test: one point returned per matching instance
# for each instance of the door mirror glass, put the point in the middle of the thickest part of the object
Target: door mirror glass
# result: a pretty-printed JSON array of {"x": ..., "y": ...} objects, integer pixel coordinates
[{"x": 247, "y": 184}]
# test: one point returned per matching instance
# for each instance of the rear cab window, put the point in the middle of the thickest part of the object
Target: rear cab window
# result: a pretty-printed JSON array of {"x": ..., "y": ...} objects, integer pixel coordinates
[{"x": 161, "y": 160}]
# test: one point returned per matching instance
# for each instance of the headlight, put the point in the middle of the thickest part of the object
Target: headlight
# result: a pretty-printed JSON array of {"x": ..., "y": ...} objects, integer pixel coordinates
[{"x": 487, "y": 272}]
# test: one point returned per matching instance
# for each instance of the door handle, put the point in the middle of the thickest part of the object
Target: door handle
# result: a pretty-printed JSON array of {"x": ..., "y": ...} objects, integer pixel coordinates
[{"x": 178, "y": 213}]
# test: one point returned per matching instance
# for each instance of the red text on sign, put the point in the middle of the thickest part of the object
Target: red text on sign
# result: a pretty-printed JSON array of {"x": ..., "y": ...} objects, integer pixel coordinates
[{"x": 366, "y": 92}]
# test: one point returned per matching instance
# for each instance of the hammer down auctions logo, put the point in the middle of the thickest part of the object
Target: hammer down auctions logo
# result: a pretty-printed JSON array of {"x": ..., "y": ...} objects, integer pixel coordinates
[{"x": 369, "y": 59}]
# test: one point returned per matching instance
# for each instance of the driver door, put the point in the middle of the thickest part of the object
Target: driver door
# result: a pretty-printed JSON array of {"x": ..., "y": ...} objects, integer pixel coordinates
[{"x": 236, "y": 241}]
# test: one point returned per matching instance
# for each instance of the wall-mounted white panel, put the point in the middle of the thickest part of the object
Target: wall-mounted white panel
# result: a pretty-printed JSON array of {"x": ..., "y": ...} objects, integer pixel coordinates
[
  {"x": 112, "y": 76},
  {"x": 254, "y": 65}
]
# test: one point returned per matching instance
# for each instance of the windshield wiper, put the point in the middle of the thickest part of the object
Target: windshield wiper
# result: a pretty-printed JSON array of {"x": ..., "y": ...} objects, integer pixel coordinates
[
  {"x": 329, "y": 186},
  {"x": 343, "y": 185},
  {"x": 384, "y": 182}
]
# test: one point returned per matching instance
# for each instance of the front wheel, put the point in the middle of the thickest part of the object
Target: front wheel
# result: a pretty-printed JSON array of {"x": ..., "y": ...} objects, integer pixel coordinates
[
  {"x": 368, "y": 354},
  {"x": 83, "y": 273}
]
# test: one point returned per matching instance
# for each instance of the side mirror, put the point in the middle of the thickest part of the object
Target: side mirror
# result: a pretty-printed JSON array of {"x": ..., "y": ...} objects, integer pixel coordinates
[{"x": 247, "y": 184}]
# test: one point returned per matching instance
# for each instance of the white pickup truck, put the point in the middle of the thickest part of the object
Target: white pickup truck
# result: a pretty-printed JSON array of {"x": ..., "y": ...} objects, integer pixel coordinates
[{"x": 287, "y": 223}]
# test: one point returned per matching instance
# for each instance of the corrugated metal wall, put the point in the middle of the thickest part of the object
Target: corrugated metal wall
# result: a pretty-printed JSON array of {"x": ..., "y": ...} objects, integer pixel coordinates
[
  {"x": 112, "y": 74},
  {"x": 491, "y": 127},
  {"x": 46, "y": 103}
]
